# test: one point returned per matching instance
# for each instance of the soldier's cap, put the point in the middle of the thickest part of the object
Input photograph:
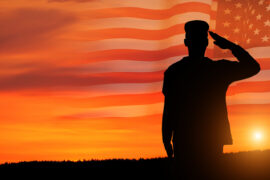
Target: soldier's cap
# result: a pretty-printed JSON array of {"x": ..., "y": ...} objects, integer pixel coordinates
[{"x": 196, "y": 28}]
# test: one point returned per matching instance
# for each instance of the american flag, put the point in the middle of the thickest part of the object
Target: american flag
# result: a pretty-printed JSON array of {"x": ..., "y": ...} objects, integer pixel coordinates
[{"x": 134, "y": 42}]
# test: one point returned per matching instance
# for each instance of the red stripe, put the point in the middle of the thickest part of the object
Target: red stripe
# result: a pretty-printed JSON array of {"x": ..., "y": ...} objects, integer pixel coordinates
[
  {"x": 138, "y": 55},
  {"x": 157, "y": 97},
  {"x": 264, "y": 62},
  {"x": 245, "y": 87},
  {"x": 131, "y": 33}
]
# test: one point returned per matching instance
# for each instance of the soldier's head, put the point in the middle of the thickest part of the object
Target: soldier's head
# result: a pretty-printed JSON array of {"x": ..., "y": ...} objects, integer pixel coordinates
[{"x": 196, "y": 37}]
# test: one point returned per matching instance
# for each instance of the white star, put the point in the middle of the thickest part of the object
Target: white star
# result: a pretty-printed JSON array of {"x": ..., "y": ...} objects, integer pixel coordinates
[
  {"x": 226, "y": 36},
  {"x": 227, "y": 11},
  {"x": 259, "y": 17},
  {"x": 248, "y": 40},
  {"x": 265, "y": 38},
  {"x": 237, "y": 18},
  {"x": 226, "y": 24},
  {"x": 236, "y": 42},
  {"x": 250, "y": 26},
  {"x": 238, "y": 5},
  {"x": 268, "y": 8},
  {"x": 256, "y": 31},
  {"x": 253, "y": 11},
  {"x": 236, "y": 30},
  {"x": 261, "y": 2},
  {"x": 267, "y": 23}
]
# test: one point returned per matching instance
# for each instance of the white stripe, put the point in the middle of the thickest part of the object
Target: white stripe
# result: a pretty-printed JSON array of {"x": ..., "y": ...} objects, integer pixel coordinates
[
  {"x": 148, "y": 4},
  {"x": 150, "y": 45},
  {"x": 139, "y": 23},
  {"x": 157, "y": 108},
  {"x": 260, "y": 52},
  {"x": 150, "y": 66},
  {"x": 214, "y": 5},
  {"x": 155, "y": 45}
]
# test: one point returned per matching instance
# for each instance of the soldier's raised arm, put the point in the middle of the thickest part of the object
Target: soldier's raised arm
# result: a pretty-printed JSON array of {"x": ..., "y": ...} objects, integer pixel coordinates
[{"x": 247, "y": 65}]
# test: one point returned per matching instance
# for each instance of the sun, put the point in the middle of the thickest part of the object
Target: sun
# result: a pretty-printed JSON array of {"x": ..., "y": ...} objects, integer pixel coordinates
[{"x": 258, "y": 136}]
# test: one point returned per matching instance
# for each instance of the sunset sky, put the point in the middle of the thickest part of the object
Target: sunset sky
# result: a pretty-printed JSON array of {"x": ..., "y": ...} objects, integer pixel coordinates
[{"x": 82, "y": 79}]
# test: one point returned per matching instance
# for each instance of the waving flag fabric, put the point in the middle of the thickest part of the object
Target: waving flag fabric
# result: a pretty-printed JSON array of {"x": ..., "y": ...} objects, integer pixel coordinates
[{"x": 82, "y": 79}]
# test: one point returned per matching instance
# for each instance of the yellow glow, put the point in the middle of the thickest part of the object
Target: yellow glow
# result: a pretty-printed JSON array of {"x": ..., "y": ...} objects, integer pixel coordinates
[{"x": 258, "y": 136}]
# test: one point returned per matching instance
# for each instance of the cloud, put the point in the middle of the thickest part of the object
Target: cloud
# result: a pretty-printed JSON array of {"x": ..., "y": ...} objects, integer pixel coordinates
[{"x": 27, "y": 29}]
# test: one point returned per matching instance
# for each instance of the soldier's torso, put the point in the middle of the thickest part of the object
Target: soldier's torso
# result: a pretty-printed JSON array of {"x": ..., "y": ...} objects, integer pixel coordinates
[{"x": 198, "y": 99}]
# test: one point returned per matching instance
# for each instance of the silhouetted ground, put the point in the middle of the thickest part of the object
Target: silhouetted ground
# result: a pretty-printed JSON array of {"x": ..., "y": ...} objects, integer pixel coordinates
[{"x": 253, "y": 165}]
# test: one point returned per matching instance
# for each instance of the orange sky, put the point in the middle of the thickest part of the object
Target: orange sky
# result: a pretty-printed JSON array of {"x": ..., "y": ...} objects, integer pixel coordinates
[{"x": 49, "y": 110}]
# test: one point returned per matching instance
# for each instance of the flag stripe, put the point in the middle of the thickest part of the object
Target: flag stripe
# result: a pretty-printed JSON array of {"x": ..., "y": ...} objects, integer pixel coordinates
[
  {"x": 138, "y": 23},
  {"x": 157, "y": 108},
  {"x": 127, "y": 65},
  {"x": 135, "y": 44},
  {"x": 155, "y": 97},
  {"x": 145, "y": 55},
  {"x": 147, "y": 13},
  {"x": 92, "y": 80},
  {"x": 149, "y": 4},
  {"x": 132, "y": 33},
  {"x": 149, "y": 66},
  {"x": 144, "y": 88},
  {"x": 256, "y": 86},
  {"x": 133, "y": 122},
  {"x": 132, "y": 54}
]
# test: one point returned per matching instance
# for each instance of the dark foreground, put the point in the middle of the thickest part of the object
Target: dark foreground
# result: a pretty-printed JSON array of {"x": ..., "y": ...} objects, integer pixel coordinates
[{"x": 253, "y": 165}]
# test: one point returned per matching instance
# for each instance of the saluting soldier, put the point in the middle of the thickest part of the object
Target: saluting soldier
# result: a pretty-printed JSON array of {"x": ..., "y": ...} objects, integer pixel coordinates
[{"x": 195, "y": 115}]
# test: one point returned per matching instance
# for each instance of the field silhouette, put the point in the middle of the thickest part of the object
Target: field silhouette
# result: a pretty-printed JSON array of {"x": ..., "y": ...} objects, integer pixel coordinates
[{"x": 252, "y": 165}]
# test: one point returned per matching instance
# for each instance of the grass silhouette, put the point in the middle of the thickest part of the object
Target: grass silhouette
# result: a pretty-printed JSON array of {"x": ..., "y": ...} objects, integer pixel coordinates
[{"x": 252, "y": 165}]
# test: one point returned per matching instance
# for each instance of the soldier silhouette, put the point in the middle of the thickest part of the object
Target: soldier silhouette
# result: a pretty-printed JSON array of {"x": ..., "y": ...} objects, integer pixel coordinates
[{"x": 195, "y": 114}]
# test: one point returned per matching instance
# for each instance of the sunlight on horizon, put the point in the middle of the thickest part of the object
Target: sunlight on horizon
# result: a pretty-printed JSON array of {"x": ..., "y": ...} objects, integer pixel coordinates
[{"x": 258, "y": 137}]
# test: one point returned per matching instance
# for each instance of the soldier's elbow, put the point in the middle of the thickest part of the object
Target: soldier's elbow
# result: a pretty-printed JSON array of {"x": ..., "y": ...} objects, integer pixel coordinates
[
  {"x": 256, "y": 68},
  {"x": 253, "y": 68}
]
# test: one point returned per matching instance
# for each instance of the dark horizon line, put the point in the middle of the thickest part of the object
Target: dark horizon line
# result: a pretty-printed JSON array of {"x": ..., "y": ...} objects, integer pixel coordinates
[{"x": 119, "y": 159}]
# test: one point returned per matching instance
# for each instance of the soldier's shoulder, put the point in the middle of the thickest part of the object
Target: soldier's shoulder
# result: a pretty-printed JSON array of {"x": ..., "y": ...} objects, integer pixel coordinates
[
  {"x": 224, "y": 62},
  {"x": 175, "y": 66}
]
